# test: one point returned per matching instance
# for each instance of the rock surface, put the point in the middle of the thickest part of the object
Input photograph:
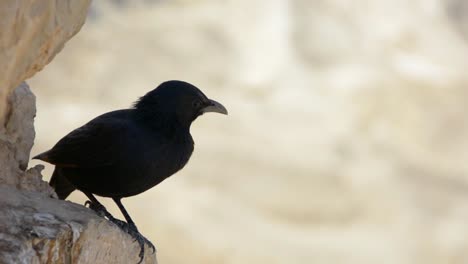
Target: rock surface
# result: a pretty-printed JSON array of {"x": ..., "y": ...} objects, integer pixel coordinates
[
  {"x": 16, "y": 141},
  {"x": 52, "y": 231},
  {"x": 33, "y": 32}
]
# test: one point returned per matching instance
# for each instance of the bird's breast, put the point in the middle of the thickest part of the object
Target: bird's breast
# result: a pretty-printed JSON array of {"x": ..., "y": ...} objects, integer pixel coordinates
[{"x": 163, "y": 161}]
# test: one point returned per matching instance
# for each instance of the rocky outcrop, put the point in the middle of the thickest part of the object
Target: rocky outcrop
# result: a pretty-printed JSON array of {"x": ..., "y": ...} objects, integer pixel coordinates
[
  {"x": 33, "y": 32},
  {"x": 35, "y": 227},
  {"x": 38, "y": 229},
  {"x": 16, "y": 140}
]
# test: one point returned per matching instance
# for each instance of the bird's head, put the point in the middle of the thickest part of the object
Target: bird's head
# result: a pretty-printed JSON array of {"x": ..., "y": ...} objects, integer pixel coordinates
[{"x": 180, "y": 100}]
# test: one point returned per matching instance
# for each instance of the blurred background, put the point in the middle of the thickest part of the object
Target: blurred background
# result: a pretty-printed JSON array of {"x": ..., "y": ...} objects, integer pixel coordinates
[{"x": 347, "y": 139}]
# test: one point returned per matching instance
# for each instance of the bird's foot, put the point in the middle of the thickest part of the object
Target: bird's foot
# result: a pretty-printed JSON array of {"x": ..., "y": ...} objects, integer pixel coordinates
[
  {"x": 130, "y": 229},
  {"x": 133, "y": 232},
  {"x": 102, "y": 212},
  {"x": 99, "y": 209}
]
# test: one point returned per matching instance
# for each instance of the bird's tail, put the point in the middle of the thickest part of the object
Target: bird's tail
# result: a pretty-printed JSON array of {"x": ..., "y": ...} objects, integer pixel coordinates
[{"x": 61, "y": 185}]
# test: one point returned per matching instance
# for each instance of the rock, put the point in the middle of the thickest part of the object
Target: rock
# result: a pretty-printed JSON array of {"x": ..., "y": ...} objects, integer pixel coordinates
[
  {"x": 33, "y": 32},
  {"x": 16, "y": 138},
  {"x": 53, "y": 231},
  {"x": 31, "y": 180},
  {"x": 16, "y": 141}
]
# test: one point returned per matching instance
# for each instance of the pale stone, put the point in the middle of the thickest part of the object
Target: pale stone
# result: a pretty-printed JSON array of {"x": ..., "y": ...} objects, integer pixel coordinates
[
  {"x": 37, "y": 229},
  {"x": 16, "y": 138},
  {"x": 33, "y": 32}
]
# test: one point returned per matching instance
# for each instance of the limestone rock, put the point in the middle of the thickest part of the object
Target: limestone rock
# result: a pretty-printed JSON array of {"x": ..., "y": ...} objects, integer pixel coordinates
[
  {"x": 33, "y": 32},
  {"x": 37, "y": 229},
  {"x": 16, "y": 141},
  {"x": 16, "y": 138}
]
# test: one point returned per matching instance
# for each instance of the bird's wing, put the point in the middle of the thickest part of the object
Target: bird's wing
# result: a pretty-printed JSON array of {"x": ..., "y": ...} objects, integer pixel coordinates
[{"x": 95, "y": 144}]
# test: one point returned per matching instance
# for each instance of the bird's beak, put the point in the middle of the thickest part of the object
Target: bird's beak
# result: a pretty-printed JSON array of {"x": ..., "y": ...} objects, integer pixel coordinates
[{"x": 215, "y": 107}]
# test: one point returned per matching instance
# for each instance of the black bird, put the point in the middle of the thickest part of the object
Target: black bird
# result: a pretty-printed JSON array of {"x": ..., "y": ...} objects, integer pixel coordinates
[{"x": 126, "y": 152}]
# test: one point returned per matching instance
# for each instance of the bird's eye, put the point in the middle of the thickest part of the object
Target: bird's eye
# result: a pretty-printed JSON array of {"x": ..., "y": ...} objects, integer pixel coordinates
[{"x": 196, "y": 104}]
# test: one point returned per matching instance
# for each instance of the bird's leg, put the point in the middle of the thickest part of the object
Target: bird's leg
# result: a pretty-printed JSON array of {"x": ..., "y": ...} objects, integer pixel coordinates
[
  {"x": 97, "y": 207},
  {"x": 133, "y": 230}
]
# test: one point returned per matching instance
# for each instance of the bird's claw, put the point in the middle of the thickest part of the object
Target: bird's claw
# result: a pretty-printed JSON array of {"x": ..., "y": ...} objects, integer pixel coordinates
[
  {"x": 130, "y": 229},
  {"x": 97, "y": 208},
  {"x": 121, "y": 224},
  {"x": 140, "y": 239},
  {"x": 100, "y": 210},
  {"x": 150, "y": 245}
]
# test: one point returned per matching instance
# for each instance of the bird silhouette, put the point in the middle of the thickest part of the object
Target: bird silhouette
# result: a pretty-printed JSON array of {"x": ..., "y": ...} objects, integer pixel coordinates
[{"x": 126, "y": 152}]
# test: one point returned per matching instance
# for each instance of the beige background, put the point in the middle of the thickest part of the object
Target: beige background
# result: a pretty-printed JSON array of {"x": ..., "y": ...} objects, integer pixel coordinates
[{"x": 347, "y": 139}]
